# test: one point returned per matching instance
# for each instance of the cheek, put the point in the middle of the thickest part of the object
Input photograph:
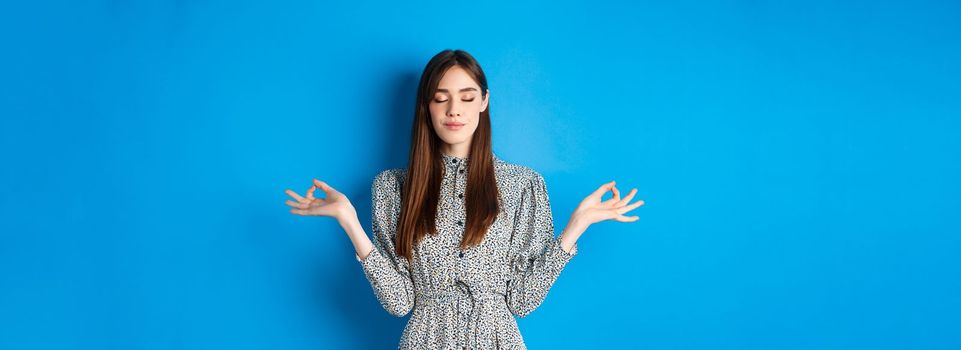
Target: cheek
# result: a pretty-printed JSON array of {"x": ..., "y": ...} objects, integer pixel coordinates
[
  {"x": 436, "y": 113},
  {"x": 475, "y": 108}
]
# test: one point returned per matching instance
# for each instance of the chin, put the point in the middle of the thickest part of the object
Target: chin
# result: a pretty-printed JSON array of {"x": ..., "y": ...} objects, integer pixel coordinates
[{"x": 451, "y": 139}]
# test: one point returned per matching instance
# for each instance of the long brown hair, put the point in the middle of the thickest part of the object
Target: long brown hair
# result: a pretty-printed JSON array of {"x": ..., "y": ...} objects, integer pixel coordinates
[{"x": 425, "y": 169}]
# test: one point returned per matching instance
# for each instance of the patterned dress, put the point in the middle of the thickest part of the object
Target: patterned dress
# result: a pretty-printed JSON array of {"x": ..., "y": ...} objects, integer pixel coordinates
[{"x": 466, "y": 299}]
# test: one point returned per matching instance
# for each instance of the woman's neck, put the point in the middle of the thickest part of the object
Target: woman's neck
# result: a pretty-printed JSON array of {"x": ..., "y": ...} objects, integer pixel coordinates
[{"x": 460, "y": 150}]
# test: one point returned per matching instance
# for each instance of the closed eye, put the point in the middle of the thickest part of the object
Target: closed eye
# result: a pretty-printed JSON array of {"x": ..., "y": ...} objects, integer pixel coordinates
[{"x": 465, "y": 100}]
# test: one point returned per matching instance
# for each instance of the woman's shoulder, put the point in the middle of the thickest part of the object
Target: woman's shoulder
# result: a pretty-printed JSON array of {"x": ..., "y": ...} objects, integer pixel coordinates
[
  {"x": 514, "y": 171},
  {"x": 390, "y": 178}
]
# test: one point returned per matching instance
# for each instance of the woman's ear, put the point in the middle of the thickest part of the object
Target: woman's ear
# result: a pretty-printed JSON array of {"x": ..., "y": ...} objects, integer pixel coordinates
[{"x": 486, "y": 100}]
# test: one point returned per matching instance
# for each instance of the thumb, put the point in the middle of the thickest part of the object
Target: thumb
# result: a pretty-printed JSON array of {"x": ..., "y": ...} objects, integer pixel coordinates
[{"x": 323, "y": 186}]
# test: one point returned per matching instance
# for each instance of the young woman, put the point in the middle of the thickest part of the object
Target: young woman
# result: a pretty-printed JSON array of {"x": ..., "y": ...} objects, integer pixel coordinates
[{"x": 460, "y": 236}]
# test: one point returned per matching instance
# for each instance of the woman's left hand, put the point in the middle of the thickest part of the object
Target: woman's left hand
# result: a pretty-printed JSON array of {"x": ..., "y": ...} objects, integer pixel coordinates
[{"x": 592, "y": 210}]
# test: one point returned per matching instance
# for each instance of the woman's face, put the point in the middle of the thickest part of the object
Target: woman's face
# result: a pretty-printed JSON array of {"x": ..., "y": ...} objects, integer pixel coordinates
[{"x": 456, "y": 106}]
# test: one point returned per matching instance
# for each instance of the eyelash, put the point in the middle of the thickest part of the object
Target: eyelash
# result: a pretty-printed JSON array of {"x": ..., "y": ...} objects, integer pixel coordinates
[{"x": 439, "y": 101}]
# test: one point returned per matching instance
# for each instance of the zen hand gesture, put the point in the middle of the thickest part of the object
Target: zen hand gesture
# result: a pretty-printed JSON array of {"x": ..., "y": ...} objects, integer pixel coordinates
[
  {"x": 592, "y": 210},
  {"x": 335, "y": 204}
]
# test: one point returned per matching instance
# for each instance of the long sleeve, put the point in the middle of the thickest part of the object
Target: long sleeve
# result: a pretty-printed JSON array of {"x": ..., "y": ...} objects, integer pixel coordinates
[
  {"x": 388, "y": 273},
  {"x": 536, "y": 255}
]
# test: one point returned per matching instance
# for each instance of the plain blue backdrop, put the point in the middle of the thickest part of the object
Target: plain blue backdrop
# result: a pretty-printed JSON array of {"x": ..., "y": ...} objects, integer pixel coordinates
[{"x": 799, "y": 160}]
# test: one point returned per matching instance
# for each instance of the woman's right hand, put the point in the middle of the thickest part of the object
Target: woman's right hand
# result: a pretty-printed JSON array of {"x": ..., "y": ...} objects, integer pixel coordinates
[{"x": 335, "y": 204}]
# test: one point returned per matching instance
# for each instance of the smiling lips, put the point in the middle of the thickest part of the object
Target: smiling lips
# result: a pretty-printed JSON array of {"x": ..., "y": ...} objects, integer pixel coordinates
[{"x": 453, "y": 126}]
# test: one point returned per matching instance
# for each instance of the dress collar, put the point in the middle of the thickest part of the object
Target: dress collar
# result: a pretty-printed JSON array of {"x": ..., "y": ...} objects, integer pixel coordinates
[
  {"x": 457, "y": 161},
  {"x": 453, "y": 160}
]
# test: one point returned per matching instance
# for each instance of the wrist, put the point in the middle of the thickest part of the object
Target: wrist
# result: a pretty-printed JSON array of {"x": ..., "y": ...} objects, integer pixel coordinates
[
  {"x": 571, "y": 233},
  {"x": 358, "y": 237},
  {"x": 346, "y": 215},
  {"x": 575, "y": 226},
  {"x": 349, "y": 222}
]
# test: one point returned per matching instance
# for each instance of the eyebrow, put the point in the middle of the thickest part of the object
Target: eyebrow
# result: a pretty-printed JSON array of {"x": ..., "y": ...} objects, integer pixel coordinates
[{"x": 461, "y": 90}]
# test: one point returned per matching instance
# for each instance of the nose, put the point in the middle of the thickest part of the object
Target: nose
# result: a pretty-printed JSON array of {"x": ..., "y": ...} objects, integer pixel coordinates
[{"x": 453, "y": 110}]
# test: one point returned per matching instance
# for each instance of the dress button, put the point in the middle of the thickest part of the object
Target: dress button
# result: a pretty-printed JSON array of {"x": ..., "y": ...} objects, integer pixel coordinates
[
  {"x": 459, "y": 222},
  {"x": 455, "y": 160},
  {"x": 460, "y": 195},
  {"x": 461, "y": 254},
  {"x": 462, "y": 171}
]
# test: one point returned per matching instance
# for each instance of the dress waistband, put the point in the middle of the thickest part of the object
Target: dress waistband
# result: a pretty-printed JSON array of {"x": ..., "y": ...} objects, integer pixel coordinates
[
  {"x": 458, "y": 290},
  {"x": 454, "y": 297}
]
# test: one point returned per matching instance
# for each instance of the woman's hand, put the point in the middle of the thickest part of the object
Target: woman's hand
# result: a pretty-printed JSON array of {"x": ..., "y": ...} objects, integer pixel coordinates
[
  {"x": 592, "y": 210},
  {"x": 335, "y": 204}
]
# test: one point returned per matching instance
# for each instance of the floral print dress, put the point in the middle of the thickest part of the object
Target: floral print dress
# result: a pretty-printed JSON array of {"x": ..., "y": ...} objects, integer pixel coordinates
[{"x": 466, "y": 299}]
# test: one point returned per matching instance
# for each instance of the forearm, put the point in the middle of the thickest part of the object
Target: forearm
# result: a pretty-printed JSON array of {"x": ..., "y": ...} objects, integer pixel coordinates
[
  {"x": 571, "y": 233},
  {"x": 358, "y": 237}
]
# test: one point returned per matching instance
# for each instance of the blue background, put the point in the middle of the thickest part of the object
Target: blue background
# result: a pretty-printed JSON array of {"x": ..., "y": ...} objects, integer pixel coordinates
[{"x": 800, "y": 161}]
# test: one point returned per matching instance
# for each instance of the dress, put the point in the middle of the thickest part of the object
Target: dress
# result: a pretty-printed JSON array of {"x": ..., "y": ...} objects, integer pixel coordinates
[{"x": 466, "y": 299}]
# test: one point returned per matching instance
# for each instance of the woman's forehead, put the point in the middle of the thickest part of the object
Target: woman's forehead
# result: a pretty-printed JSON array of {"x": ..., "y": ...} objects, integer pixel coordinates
[{"x": 456, "y": 79}]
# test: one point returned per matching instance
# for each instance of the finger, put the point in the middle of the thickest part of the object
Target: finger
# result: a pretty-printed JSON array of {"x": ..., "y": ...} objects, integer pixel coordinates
[
  {"x": 310, "y": 192},
  {"x": 627, "y": 198},
  {"x": 599, "y": 192},
  {"x": 299, "y": 205},
  {"x": 312, "y": 212},
  {"x": 615, "y": 198},
  {"x": 295, "y": 195},
  {"x": 623, "y": 218},
  {"x": 630, "y": 207}
]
